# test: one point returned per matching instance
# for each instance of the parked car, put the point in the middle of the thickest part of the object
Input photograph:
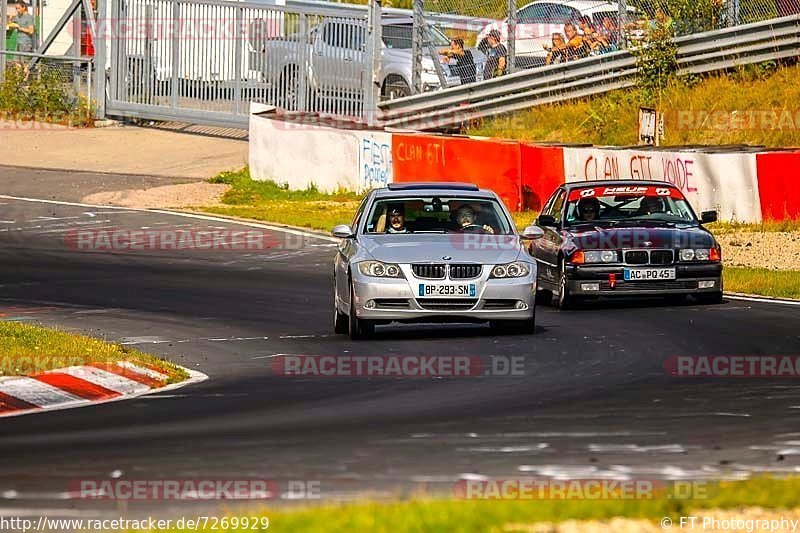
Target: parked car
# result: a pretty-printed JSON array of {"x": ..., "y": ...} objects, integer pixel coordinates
[
  {"x": 625, "y": 238},
  {"x": 333, "y": 60},
  {"x": 539, "y": 20},
  {"x": 432, "y": 252}
]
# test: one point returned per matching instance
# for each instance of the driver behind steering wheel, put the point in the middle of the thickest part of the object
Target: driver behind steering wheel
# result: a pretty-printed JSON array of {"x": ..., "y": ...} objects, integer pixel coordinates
[{"x": 465, "y": 218}]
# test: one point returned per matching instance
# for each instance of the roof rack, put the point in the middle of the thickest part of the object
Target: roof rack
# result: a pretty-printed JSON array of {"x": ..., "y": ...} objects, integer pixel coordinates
[{"x": 428, "y": 185}]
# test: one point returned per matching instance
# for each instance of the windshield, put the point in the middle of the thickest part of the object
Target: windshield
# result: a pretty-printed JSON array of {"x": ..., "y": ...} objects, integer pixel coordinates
[
  {"x": 400, "y": 36},
  {"x": 436, "y": 214},
  {"x": 597, "y": 204}
]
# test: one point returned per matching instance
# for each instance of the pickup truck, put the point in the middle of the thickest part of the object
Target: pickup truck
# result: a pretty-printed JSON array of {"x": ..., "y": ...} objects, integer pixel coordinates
[{"x": 332, "y": 58}]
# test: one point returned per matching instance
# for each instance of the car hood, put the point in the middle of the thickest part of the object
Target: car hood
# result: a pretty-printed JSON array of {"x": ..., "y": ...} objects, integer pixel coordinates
[
  {"x": 432, "y": 248},
  {"x": 639, "y": 234}
]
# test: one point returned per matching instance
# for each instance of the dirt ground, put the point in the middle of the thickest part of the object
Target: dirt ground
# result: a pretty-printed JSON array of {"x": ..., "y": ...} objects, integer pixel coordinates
[
  {"x": 164, "y": 197},
  {"x": 773, "y": 250}
]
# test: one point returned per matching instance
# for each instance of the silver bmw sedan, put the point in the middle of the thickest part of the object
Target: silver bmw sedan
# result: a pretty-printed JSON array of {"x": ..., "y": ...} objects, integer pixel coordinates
[{"x": 433, "y": 252}]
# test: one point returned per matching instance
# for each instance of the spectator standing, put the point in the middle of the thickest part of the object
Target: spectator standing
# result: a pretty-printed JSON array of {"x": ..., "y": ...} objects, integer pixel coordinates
[
  {"x": 496, "y": 57},
  {"x": 460, "y": 60},
  {"x": 23, "y": 23}
]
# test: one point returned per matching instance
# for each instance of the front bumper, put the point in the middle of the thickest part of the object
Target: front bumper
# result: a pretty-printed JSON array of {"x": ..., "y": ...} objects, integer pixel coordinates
[
  {"x": 394, "y": 299},
  {"x": 687, "y": 280}
]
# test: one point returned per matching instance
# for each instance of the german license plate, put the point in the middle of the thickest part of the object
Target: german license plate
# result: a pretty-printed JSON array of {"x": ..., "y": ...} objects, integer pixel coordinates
[
  {"x": 646, "y": 274},
  {"x": 453, "y": 290}
]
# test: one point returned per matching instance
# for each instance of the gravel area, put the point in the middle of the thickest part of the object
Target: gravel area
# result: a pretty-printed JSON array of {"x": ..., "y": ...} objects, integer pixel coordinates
[
  {"x": 773, "y": 250},
  {"x": 168, "y": 196}
]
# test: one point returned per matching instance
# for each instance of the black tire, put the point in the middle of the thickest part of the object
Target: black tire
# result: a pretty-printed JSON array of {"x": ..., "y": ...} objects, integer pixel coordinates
[
  {"x": 289, "y": 89},
  {"x": 396, "y": 87},
  {"x": 358, "y": 328},
  {"x": 564, "y": 300},
  {"x": 709, "y": 298},
  {"x": 340, "y": 322},
  {"x": 544, "y": 296}
]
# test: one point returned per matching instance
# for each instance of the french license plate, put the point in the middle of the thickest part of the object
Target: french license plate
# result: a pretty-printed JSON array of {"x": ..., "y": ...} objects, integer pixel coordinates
[
  {"x": 646, "y": 274},
  {"x": 457, "y": 290}
]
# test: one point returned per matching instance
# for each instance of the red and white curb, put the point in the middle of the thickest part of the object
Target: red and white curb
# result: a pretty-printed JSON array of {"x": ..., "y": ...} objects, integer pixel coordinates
[{"x": 78, "y": 386}]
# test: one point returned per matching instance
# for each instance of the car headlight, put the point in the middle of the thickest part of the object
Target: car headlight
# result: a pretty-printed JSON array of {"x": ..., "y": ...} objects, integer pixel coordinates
[
  {"x": 699, "y": 254},
  {"x": 376, "y": 269},
  {"x": 600, "y": 256},
  {"x": 517, "y": 269}
]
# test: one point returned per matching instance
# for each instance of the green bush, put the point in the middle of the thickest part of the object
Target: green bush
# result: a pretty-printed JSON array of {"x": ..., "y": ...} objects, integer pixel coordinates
[
  {"x": 656, "y": 58},
  {"x": 42, "y": 94}
]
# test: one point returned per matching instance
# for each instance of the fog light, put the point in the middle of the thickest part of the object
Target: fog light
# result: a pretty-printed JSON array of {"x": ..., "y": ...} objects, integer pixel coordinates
[
  {"x": 370, "y": 304},
  {"x": 590, "y": 286},
  {"x": 706, "y": 284}
]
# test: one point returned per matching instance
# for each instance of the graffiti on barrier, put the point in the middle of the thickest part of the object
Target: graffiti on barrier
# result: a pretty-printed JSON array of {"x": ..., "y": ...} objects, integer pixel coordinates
[
  {"x": 374, "y": 162},
  {"x": 675, "y": 169}
]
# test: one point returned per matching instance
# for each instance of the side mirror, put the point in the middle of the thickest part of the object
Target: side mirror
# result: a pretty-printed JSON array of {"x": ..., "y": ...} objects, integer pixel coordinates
[
  {"x": 708, "y": 216},
  {"x": 546, "y": 220},
  {"x": 343, "y": 231},
  {"x": 532, "y": 232}
]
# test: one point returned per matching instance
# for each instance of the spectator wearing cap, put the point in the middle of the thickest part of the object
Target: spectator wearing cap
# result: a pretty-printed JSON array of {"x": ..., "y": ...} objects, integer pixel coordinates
[
  {"x": 397, "y": 219},
  {"x": 496, "y": 57},
  {"x": 23, "y": 23}
]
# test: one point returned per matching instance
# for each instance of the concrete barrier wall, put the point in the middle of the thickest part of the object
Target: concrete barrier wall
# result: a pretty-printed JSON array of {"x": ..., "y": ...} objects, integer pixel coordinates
[
  {"x": 779, "y": 184},
  {"x": 330, "y": 158},
  {"x": 726, "y": 182},
  {"x": 741, "y": 186},
  {"x": 541, "y": 171},
  {"x": 487, "y": 163}
]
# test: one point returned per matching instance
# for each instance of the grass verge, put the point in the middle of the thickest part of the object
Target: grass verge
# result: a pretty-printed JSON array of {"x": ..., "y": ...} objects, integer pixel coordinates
[
  {"x": 270, "y": 202},
  {"x": 25, "y": 349},
  {"x": 756, "y": 105},
  {"x": 774, "y": 283},
  {"x": 520, "y": 515}
]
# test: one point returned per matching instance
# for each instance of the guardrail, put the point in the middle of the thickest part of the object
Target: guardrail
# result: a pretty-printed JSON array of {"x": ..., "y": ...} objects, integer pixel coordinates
[
  {"x": 444, "y": 20},
  {"x": 699, "y": 53}
]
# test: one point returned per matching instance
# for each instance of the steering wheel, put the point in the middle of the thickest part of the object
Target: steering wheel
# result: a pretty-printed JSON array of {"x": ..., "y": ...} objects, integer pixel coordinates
[{"x": 472, "y": 228}]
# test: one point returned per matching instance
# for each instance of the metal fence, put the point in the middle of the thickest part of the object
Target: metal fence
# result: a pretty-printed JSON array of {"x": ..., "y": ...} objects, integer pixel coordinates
[
  {"x": 203, "y": 61},
  {"x": 35, "y": 87}
]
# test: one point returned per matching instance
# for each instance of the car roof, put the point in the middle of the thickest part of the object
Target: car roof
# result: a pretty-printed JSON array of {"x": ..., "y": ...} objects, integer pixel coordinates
[
  {"x": 584, "y": 6},
  {"x": 617, "y": 183},
  {"x": 468, "y": 190}
]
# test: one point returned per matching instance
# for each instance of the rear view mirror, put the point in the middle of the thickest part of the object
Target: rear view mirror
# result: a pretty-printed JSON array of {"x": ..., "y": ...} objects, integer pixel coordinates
[
  {"x": 546, "y": 220},
  {"x": 708, "y": 216},
  {"x": 532, "y": 232},
  {"x": 343, "y": 231}
]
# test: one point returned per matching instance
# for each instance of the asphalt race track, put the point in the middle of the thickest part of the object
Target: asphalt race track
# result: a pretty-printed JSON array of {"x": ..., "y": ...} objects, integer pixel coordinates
[{"x": 594, "y": 401}]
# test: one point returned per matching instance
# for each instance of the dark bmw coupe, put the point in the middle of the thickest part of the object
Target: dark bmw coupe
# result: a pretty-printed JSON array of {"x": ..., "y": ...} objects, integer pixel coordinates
[{"x": 625, "y": 238}]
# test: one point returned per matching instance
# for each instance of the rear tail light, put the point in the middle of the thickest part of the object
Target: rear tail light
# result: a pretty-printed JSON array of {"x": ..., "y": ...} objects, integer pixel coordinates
[{"x": 714, "y": 254}]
